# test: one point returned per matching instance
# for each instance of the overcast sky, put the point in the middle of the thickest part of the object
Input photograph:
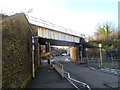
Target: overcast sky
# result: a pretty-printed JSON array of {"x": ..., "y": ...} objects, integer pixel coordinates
[{"x": 79, "y": 15}]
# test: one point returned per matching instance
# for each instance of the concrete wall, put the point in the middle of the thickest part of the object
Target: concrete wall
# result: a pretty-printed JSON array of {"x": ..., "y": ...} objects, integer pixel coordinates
[{"x": 16, "y": 52}]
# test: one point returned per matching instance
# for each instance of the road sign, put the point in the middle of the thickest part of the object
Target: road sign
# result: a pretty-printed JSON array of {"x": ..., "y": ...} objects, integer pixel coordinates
[{"x": 33, "y": 41}]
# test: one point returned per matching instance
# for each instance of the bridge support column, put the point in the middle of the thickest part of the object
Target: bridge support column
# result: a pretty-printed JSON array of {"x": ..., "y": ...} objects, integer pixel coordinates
[{"x": 75, "y": 53}]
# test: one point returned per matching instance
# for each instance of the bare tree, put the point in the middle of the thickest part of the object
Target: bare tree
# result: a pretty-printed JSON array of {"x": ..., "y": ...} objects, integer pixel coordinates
[{"x": 104, "y": 31}]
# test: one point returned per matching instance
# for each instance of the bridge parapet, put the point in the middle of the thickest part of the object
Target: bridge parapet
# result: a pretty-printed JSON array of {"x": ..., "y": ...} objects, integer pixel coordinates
[
  {"x": 49, "y": 25},
  {"x": 50, "y": 34}
]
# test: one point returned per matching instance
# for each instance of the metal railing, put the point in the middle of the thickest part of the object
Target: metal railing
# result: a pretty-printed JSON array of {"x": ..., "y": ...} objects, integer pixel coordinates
[
  {"x": 77, "y": 84},
  {"x": 111, "y": 62},
  {"x": 50, "y": 25}
]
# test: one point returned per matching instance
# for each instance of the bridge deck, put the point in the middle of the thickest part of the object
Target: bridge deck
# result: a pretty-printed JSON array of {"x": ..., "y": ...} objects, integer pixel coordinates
[{"x": 46, "y": 78}]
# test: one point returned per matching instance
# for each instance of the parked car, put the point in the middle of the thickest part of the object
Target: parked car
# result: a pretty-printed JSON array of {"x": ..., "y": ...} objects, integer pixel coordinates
[{"x": 65, "y": 54}]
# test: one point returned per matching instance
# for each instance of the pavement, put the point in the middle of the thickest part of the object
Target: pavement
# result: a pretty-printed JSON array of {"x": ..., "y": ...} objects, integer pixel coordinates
[{"x": 47, "y": 77}]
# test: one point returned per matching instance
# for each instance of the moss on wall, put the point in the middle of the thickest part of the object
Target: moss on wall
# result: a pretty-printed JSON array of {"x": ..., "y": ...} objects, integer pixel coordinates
[{"x": 16, "y": 52}]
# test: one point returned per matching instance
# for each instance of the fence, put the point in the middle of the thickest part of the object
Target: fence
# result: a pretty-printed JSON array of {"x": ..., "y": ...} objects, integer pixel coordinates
[{"x": 111, "y": 62}]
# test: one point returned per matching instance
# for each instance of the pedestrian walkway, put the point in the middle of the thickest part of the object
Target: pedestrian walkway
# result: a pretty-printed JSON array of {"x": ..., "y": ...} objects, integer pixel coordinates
[{"x": 48, "y": 78}]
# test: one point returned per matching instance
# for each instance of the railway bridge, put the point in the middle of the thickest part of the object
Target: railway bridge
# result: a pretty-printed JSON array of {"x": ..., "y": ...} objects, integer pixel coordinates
[
  {"x": 22, "y": 36},
  {"x": 51, "y": 34}
]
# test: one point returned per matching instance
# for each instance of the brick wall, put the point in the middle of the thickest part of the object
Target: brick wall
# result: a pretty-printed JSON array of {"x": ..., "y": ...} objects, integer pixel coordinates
[{"x": 16, "y": 52}]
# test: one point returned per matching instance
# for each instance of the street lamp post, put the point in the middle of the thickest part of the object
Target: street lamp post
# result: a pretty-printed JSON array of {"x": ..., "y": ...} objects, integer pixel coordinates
[{"x": 100, "y": 45}]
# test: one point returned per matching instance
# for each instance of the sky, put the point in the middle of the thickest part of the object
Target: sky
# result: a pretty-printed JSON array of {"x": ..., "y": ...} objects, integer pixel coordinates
[{"x": 82, "y": 16}]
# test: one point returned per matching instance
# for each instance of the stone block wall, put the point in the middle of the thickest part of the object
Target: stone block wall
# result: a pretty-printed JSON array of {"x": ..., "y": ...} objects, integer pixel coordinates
[
  {"x": 73, "y": 53},
  {"x": 16, "y": 52}
]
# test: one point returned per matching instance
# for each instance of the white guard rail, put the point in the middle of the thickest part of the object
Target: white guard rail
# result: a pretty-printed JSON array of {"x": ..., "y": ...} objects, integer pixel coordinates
[
  {"x": 59, "y": 68},
  {"x": 77, "y": 84}
]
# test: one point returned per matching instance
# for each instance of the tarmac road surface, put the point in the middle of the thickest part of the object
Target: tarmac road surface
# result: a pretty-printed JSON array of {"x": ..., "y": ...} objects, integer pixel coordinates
[{"x": 95, "y": 79}]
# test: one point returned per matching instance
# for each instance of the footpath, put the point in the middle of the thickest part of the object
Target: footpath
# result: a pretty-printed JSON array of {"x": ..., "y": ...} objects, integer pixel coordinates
[{"x": 48, "y": 78}]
